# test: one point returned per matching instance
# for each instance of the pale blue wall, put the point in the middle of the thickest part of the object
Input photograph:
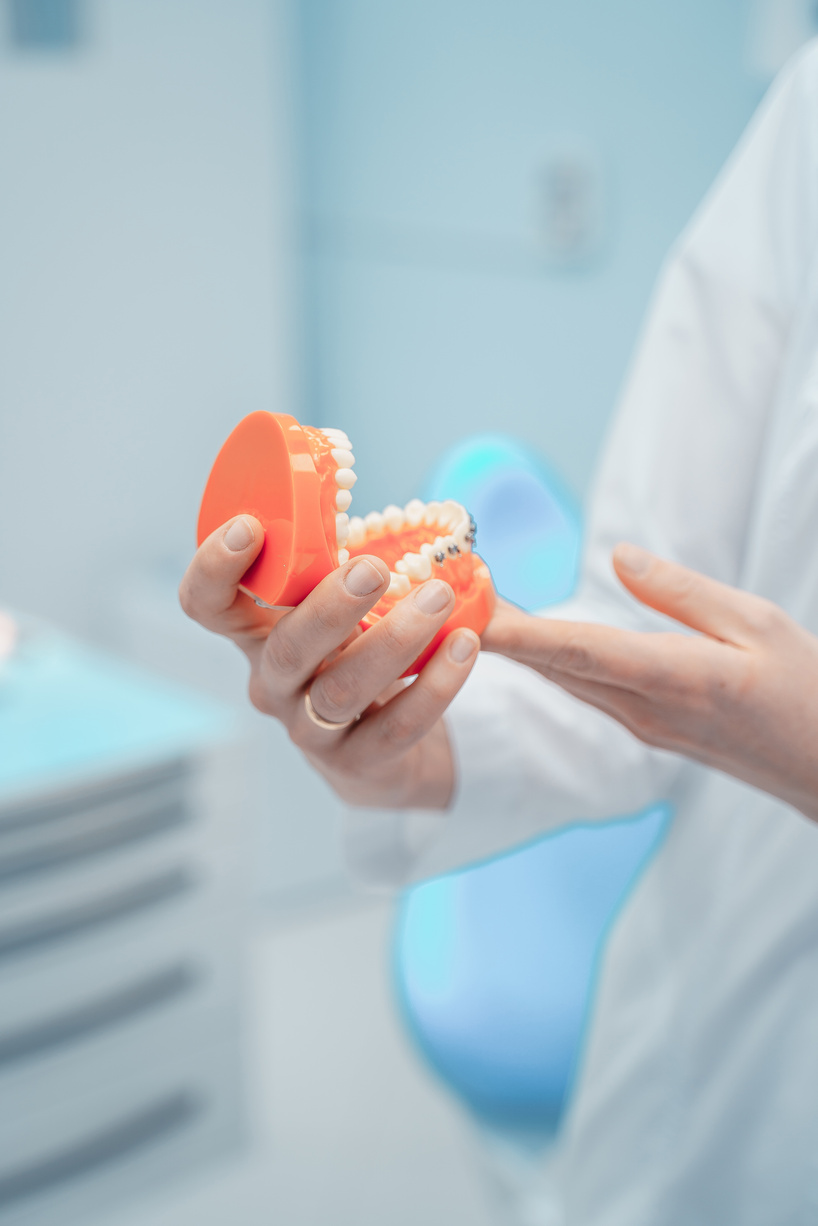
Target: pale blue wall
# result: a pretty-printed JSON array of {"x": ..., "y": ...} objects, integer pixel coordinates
[
  {"x": 144, "y": 285},
  {"x": 429, "y": 310}
]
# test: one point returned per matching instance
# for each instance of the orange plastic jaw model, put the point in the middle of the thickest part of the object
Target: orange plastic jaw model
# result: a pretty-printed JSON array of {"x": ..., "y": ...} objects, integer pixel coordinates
[{"x": 297, "y": 482}]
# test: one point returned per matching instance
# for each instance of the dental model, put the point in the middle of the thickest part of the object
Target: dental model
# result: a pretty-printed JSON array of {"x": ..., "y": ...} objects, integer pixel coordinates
[{"x": 297, "y": 481}]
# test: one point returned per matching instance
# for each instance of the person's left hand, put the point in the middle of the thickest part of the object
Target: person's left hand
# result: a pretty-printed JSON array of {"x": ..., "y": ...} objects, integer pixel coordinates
[{"x": 741, "y": 695}]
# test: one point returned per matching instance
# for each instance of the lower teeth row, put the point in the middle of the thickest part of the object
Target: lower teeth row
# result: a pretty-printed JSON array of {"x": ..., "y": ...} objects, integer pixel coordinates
[{"x": 412, "y": 567}]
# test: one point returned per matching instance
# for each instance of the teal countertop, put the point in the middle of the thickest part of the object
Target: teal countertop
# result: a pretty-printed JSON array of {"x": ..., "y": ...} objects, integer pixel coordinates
[{"x": 68, "y": 712}]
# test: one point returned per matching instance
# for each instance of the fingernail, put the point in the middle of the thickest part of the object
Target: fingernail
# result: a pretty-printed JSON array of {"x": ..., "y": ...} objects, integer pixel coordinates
[
  {"x": 632, "y": 558},
  {"x": 363, "y": 579},
  {"x": 433, "y": 596},
  {"x": 239, "y": 536},
  {"x": 462, "y": 648}
]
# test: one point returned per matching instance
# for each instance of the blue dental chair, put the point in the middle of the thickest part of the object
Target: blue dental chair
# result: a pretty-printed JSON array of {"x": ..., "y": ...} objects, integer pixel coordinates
[{"x": 495, "y": 965}]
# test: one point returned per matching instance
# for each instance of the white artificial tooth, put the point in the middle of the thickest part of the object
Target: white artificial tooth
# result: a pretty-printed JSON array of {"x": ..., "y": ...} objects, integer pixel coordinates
[
  {"x": 439, "y": 547},
  {"x": 418, "y": 565},
  {"x": 343, "y": 500},
  {"x": 393, "y": 517},
  {"x": 401, "y": 567},
  {"x": 449, "y": 515},
  {"x": 343, "y": 556},
  {"x": 399, "y": 585},
  {"x": 339, "y": 442},
  {"x": 414, "y": 512},
  {"x": 431, "y": 513},
  {"x": 357, "y": 531},
  {"x": 345, "y": 478},
  {"x": 333, "y": 432},
  {"x": 344, "y": 459},
  {"x": 427, "y": 550},
  {"x": 342, "y": 525},
  {"x": 374, "y": 523}
]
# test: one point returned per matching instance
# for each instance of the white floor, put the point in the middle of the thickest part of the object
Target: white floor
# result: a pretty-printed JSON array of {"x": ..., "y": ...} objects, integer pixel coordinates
[{"x": 350, "y": 1128}]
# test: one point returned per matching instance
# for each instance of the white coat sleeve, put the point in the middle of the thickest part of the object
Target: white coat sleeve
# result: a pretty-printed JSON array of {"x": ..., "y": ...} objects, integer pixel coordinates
[{"x": 678, "y": 477}]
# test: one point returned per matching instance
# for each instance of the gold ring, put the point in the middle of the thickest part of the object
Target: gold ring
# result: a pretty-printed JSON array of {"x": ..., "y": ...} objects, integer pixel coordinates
[{"x": 324, "y": 723}]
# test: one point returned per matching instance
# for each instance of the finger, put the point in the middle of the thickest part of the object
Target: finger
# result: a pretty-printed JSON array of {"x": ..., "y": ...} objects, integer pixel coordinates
[
  {"x": 549, "y": 645},
  {"x": 391, "y": 730},
  {"x": 303, "y": 638},
  {"x": 699, "y": 602},
  {"x": 642, "y": 663},
  {"x": 368, "y": 666},
  {"x": 509, "y": 629},
  {"x": 209, "y": 592}
]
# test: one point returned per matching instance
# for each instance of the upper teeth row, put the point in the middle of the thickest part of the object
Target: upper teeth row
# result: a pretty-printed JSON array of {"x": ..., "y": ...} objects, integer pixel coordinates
[{"x": 345, "y": 478}]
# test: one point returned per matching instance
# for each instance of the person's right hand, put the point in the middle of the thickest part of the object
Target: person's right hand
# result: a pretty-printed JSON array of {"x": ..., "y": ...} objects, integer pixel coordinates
[{"x": 397, "y": 754}]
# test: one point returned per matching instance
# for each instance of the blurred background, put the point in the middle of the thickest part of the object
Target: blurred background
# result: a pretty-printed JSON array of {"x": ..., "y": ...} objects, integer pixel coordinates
[{"x": 416, "y": 222}]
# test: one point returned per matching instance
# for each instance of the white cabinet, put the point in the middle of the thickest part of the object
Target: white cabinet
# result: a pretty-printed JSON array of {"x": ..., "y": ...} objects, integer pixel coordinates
[{"x": 123, "y": 880}]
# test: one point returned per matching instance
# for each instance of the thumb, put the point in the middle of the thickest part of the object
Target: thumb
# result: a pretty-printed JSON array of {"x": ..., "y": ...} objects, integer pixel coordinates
[
  {"x": 210, "y": 586},
  {"x": 683, "y": 594}
]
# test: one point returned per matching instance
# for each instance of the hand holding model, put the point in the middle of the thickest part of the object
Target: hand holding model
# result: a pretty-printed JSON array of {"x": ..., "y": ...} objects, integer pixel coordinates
[
  {"x": 397, "y": 753},
  {"x": 332, "y": 611},
  {"x": 740, "y": 696}
]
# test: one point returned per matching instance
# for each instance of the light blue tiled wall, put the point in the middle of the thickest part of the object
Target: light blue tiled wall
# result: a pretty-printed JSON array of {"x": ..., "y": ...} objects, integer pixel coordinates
[{"x": 429, "y": 308}]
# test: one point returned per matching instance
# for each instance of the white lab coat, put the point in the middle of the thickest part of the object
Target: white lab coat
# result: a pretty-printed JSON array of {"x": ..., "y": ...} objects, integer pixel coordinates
[{"x": 698, "y": 1097}]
